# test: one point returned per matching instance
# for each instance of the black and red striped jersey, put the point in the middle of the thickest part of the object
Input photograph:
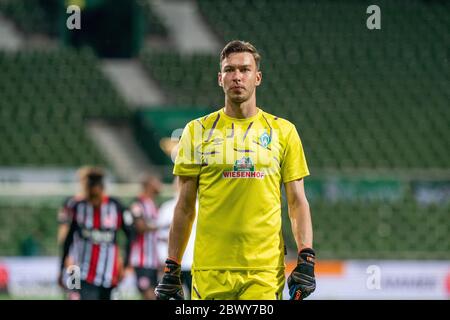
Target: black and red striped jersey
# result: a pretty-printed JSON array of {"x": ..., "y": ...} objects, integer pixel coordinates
[
  {"x": 94, "y": 232},
  {"x": 144, "y": 246},
  {"x": 65, "y": 211}
]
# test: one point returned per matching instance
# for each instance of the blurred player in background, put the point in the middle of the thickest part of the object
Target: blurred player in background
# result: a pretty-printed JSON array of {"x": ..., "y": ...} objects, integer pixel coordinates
[
  {"x": 236, "y": 160},
  {"x": 64, "y": 217},
  {"x": 96, "y": 220},
  {"x": 164, "y": 221},
  {"x": 64, "y": 220},
  {"x": 144, "y": 257}
]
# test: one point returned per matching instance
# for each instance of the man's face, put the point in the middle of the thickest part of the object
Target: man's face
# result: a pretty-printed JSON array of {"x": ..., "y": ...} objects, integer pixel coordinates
[
  {"x": 239, "y": 76},
  {"x": 95, "y": 191},
  {"x": 154, "y": 186}
]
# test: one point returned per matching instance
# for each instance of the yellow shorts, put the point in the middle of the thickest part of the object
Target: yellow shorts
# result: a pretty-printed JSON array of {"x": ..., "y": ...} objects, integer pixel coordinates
[{"x": 237, "y": 284}]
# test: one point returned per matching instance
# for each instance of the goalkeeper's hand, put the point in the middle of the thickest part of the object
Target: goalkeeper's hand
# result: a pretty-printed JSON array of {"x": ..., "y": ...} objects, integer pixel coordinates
[
  {"x": 170, "y": 286},
  {"x": 302, "y": 282}
]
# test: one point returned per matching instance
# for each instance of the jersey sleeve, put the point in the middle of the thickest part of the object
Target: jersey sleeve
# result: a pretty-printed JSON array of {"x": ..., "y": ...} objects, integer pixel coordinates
[
  {"x": 126, "y": 227},
  {"x": 65, "y": 212},
  {"x": 188, "y": 162},
  {"x": 67, "y": 243},
  {"x": 126, "y": 217},
  {"x": 294, "y": 164}
]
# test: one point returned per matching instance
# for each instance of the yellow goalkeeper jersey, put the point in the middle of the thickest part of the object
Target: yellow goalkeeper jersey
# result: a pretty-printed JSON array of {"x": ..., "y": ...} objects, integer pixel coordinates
[{"x": 240, "y": 165}]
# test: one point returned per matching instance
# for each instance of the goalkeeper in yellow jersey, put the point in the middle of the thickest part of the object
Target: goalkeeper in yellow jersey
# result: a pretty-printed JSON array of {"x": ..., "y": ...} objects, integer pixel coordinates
[{"x": 235, "y": 160}]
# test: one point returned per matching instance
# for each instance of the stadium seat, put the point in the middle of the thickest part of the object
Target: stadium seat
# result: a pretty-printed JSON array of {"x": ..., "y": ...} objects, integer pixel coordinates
[{"x": 46, "y": 98}]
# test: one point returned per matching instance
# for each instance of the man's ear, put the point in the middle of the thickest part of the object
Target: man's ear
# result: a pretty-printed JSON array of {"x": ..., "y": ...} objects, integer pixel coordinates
[
  {"x": 258, "y": 78},
  {"x": 219, "y": 79}
]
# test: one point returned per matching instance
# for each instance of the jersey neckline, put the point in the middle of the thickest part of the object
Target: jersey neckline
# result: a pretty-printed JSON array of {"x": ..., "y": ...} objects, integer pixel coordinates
[{"x": 241, "y": 120}]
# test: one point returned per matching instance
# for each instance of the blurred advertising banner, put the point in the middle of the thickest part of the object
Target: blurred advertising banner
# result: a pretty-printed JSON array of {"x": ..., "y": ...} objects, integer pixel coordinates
[
  {"x": 385, "y": 280},
  {"x": 380, "y": 279},
  {"x": 431, "y": 192},
  {"x": 31, "y": 277},
  {"x": 374, "y": 189},
  {"x": 20, "y": 175},
  {"x": 35, "y": 278}
]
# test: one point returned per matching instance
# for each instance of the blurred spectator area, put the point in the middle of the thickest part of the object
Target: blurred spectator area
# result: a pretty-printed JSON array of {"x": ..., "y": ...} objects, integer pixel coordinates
[{"x": 46, "y": 99}]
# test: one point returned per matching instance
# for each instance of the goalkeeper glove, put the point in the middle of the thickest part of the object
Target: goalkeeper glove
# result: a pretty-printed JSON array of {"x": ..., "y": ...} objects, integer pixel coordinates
[
  {"x": 170, "y": 286},
  {"x": 302, "y": 282}
]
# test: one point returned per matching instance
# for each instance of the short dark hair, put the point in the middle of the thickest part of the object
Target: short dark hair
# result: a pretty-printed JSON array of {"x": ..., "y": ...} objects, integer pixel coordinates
[
  {"x": 93, "y": 176},
  {"x": 240, "y": 46}
]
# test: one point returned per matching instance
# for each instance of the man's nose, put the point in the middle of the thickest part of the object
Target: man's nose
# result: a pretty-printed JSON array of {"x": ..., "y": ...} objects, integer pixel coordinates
[{"x": 237, "y": 75}]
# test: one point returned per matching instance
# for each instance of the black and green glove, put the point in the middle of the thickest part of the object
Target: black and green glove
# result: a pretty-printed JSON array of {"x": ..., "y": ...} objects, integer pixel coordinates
[
  {"x": 302, "y": 282},
  {"x": 170, "y": 287}
]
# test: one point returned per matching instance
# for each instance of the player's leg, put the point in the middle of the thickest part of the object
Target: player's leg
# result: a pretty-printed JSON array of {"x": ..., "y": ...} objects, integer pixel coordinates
[
  {"x": 105, "y": 293},
  {"x": 263, "y": 285},
  {"x": 153, "y": 277},
  {"x": 213, "y": 285}
]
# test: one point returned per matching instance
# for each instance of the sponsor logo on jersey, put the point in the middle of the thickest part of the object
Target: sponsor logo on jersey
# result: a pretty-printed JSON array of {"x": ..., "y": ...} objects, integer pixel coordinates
[
  {"x": 243, "y": 168},
  {"x": 98, "y": 236}
]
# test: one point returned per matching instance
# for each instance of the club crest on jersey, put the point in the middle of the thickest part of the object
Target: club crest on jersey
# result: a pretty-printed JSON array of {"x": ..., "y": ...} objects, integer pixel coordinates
[
  {"x": 243, "y": 168},
  {"x": 265, "y": 140}
]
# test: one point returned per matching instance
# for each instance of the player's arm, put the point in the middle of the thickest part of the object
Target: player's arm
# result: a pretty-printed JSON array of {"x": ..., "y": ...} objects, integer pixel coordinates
[
  {"x": 65, "y": 250},
  {"x": 63, "y": 229},
  {"x": 180, "y": 230},
  {"x": 183, "y": 217},
  {"x": 302, "y": 280},
  {"x": 299, "y": 214},
  {"x": 127, "y": 225},
  {"x": 63, "y": 222},
  {"x": 140, "y": 225}
]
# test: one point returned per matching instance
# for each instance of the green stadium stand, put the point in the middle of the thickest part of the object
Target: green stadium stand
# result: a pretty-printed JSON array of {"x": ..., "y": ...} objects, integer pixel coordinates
[
  {"x": 155, "y": 25},
  {"x": 343, "y": 230},
  {"x": 46, "y": 98},
  {"x": 44, "y": 16},
  {"x": 31, "y": 230},
  {"x": 360, "y": 98},
  {"x": 192, "y": 77},
  {"x": 33, "y": 16}
]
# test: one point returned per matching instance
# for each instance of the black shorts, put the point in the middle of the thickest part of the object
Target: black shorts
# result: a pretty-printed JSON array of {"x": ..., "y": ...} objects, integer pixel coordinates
[
  {"x": 92, "y": 292},
  {"x": 146, "y": 278}
]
